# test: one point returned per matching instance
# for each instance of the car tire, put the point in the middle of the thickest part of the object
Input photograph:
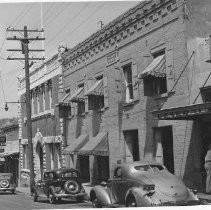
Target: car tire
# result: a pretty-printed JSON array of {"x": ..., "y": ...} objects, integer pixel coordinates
[
  {"x": 35, "y": 196},
  {"x": 131, "y": 202},
  {"x": 13, "y": 191},
  {"x": 72, "y": 187},
  {"x": 95, "y": 203},
  {"x": 51, "y": 198},
  {"x": 79, "y": 199}
]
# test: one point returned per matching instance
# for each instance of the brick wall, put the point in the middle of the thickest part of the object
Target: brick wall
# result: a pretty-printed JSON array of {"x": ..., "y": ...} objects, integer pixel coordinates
[{"x": 167, "y": 32}]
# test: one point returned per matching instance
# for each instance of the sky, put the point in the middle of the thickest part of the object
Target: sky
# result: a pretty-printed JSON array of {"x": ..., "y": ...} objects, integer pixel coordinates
[{"x": 66, "y": 23}]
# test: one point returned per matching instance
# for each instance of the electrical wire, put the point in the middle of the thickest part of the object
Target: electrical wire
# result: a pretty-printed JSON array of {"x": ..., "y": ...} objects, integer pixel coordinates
[
  {"x": 83, "y": 22},
  {"x": 69, "y": 22}
]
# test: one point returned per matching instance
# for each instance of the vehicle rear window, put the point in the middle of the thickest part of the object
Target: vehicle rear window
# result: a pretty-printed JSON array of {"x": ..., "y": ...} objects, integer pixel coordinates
[
  {"x": 70, "y": 174},
  {"x": 151, "y": 168}
]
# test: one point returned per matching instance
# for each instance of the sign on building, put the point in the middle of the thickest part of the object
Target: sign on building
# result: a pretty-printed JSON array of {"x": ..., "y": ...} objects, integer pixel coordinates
[{"x": 3, "y": 140}]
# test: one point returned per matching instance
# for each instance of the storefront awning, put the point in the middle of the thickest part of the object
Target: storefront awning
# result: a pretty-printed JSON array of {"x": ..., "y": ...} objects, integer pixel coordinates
[
  {"x": 76, "y": 144},
  {"x": 65, "y": 100},
  {"x": 98, "y": 145},
  {"x": 157, "y": 68},
  {"x": 5, "y": 154},
  {"x": 96, "y": 89},
  {"x": 78, "y": 95},
  {"x": 189, "y": 112}
]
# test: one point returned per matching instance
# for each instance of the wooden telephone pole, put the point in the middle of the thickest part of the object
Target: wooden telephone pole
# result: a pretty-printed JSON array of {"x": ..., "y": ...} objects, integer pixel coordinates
[{"x": 25, "y": 50}]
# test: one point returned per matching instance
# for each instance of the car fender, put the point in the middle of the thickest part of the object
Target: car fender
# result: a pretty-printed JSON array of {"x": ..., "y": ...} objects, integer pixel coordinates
[
  {"x": 142, "y": 200},
  {"x": 103, "y": 195}
]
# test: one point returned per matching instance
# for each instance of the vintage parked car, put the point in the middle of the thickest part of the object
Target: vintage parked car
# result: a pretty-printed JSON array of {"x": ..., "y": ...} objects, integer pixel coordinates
[
  {"x": 142, "y": 184},
  {"x": 7, "y": 182},
  {"x": 58, "y": 184}
]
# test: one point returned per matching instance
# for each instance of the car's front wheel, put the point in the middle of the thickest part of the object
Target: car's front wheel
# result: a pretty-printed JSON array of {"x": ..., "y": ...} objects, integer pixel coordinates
[
  {"x": 13, "y": 191},
  {"x": 51, "y": 198},
  {"x": 95, "y": 203},
  {"x": 35, "y": 196},
  {"x": 131, "y": 202}
]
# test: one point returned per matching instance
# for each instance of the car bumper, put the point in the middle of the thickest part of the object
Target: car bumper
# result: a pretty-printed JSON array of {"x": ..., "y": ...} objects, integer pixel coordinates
[
  {"x": 58, "y": 195},
  {"x": 7, "y": 188},
  {"x": 182, "y": 203}
]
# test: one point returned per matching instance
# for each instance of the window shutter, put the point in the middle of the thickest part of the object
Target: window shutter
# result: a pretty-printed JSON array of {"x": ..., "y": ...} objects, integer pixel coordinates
[
  {"x": 169, "y": 67},
  {"x": 118, "y": 79},
  {"x": 135, "y": 81},
  {"x": 105, "y": 85},
  {"x": 86, "y": 104}
]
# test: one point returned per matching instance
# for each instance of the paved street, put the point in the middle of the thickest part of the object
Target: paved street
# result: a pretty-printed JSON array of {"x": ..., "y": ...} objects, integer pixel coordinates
[{"x": 20, "y": 201}]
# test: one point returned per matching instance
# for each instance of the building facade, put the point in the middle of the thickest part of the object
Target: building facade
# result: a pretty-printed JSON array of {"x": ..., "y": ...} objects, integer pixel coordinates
[
  {"x": 9, "y": 155},
  {"x": 46, "y": 129},
  {"x": 119, "y": 82}
]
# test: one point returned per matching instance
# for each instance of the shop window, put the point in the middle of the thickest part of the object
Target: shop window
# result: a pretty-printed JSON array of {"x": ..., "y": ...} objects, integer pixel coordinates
[
  {"x": 155, "y": 85},
  {"x": 127, "y": 70}
]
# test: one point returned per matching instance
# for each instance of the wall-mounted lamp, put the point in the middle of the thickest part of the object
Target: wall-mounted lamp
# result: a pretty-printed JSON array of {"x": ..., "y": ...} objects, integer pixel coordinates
[{"x": 12, "y": 102}]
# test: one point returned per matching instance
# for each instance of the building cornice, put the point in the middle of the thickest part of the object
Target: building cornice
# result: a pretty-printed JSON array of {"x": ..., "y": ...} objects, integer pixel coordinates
[{"x": 117, "y": 30}]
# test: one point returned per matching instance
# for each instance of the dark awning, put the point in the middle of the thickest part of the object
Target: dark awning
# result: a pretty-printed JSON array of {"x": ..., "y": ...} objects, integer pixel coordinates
[
  {"x": 76, "y": 144},
  {"x": 98, "y": 145},
  {"x": 65, "y": 100},
  {"x": 78, "y": 95},
  {"x": 96, "y": 89},
  {"x": 5, "y": 154},
  {"x": 157, "y": 68},
  {"x": 189, "y": 112}
]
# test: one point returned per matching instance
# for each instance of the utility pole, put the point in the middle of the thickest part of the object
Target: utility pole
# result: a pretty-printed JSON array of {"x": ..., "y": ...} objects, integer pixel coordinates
[{"x": 25, "y": 50}]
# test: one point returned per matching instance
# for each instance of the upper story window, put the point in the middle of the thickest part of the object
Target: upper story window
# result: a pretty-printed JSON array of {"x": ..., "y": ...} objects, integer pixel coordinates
[
  {"x": 127, "y": 71},
  {"x": 96, "y": 95},
  {"x": 206, "y": 94},
  {"x": 32, "y": 102},
  {"x": 43, "y": 96},
  {"x": 38, "y": 99},
  {"x": 81, "y": 104},
  {"x": 50, "y": 93},
  {"x": 154, "y": 76}
]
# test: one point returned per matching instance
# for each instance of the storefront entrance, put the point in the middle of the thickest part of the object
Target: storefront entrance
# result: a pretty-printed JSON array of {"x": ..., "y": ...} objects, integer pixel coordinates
[
  {"x": 163, "y": 138},
  {"x": 84, "y": 167},
  {"x": 103, "y": 168}
]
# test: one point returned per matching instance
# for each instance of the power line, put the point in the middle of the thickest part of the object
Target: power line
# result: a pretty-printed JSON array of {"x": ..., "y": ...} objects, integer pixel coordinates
[
  {"x": 57, "y": 14},
  {"x": 84, "y": 21},
  {"x": 75, "y": 16}
]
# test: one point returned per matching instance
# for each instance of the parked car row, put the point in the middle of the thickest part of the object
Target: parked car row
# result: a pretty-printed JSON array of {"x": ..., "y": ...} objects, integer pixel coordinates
[{"x": 133, "y": 185}]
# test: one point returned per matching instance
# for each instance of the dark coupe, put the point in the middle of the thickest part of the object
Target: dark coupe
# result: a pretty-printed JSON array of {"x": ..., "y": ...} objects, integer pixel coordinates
[
  {"x": 58, "y": 184},
  {"x": 142, "y": 184}
]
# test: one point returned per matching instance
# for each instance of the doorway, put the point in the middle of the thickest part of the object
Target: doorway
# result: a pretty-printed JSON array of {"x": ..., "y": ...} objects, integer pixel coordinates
[
  {"x": 131, "y": 145},
  {"x": 164, "y": 152},
  {"x": 103, "y": 168},
  {"x": 84, "y": 168}
]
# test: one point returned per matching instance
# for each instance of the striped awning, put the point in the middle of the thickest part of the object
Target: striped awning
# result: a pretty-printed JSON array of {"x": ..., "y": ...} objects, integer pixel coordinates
[
  {"x": 157, "y": 68},
  {"x": 97, "y": 145},
  {"x": 96, "y": 89},
  {"x": 76, "y": 144},
  {"x": 78, "y": 95},
  {"x": 65, "y": 100}
]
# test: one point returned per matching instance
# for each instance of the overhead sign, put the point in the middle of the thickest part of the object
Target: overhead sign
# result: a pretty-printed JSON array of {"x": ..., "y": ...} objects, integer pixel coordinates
[{"x": 3, "y": 140}]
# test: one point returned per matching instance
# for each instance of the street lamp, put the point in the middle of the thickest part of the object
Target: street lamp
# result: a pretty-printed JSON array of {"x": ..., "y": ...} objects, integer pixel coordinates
[{"x": 12, "y": 102}]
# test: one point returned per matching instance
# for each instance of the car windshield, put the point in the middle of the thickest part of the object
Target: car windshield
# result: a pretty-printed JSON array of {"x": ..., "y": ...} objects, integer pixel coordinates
[
  {"x": 69, "y": 174},
  {"x": 151, "y": 168}
]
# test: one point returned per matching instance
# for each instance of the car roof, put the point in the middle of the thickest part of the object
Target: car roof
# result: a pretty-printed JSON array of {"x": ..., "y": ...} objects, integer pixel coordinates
[
  {"x": 62, "y": 170},
  {"x": 140, "y": 163}
]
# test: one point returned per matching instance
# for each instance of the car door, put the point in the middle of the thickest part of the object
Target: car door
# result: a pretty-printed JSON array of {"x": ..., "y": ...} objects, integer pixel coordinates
[{"x": 119, "y": 186}]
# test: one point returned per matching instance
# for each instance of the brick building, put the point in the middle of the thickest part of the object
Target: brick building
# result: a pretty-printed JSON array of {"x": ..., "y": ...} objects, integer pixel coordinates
[
  {"x": 116, "y": 79},
  {"x": 9, "y": 154},
  {"x": 46, "y": 129}
]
